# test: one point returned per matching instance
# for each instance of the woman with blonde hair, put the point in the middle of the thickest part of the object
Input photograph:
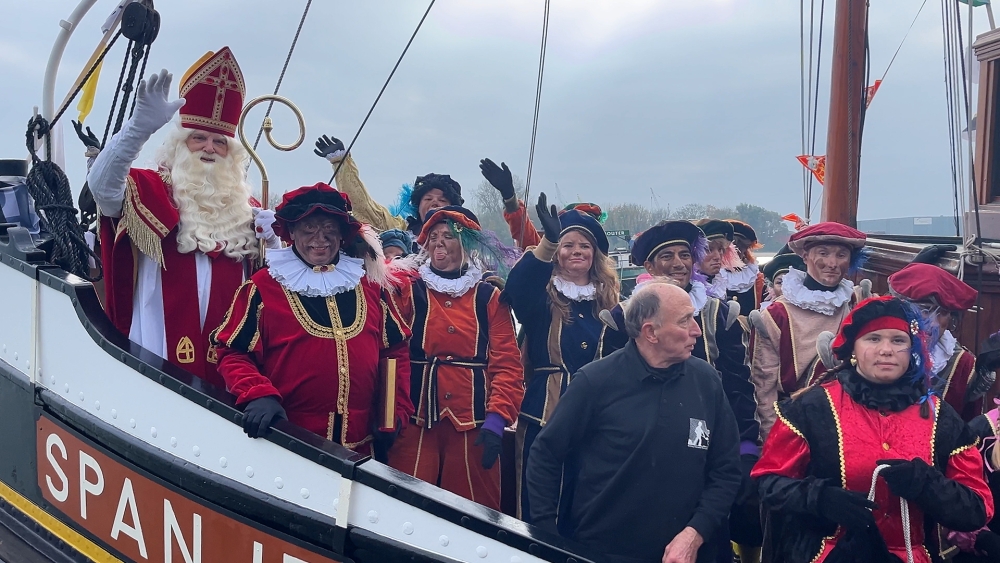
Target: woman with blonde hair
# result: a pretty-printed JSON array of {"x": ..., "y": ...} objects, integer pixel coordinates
[{"x": 557, "y": 291}]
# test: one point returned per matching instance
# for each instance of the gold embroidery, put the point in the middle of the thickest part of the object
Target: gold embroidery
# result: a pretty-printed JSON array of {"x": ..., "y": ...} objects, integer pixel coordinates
[
  {"x": 329, "y": 426},
  {"x": 185, "y": 351},
  {"x": 212, "y": 357},
  {"x": 144, "y": 237},
  {"x": 840, "y": 438},
  {"x": 316, "y": 329},
  {"x": 229, "y": 314},
  {"x": 951, "y": 373},
  {"x": 957, "y": 451},
  {"x": 787, "y": 423},
  {"x": 937, "y": 411}
]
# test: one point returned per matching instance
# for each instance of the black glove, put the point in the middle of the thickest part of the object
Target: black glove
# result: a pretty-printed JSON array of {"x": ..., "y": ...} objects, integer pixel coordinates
[
  {"x": 325, "y": 146},
  {"x": 850, "y": 509},
  {"x": 932, "y": 253},
  {"x": 906, "y": 479},
  {"x": 989, "y": 543},
  {"x": 87, "y": 205},
  {"x": 492, "y": 446},
  {"x": 748, "y": 487},
  {"x": 862, "y": 544},
  {"x": 382, "y": 442},
  {"x": 89, "y": 139},
  {"x": 549, "y": 217},
  {"x": 260, "y": 414},
  {"x": 498, "y": 176}
]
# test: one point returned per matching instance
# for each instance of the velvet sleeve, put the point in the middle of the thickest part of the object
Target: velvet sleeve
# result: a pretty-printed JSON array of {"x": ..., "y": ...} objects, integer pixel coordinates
[
  {"x": 239, "y": 348},
  {"x": 736, "y": 382},
  {"x": 365, "y": 208},
  {"x": 525, "y": 288},
  {"x": 765, "y": 366},
  {"x": 781, "y": 472},
  {"x": 521, "y": 228},
  {"x": 504, "y": 369}
]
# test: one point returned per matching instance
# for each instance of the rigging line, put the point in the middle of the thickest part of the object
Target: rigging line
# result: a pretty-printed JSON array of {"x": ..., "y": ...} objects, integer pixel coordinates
[
  {"x": 819, "y": 60},
  {"x": 86, "y": 77},
  {"x": 950, "y": 105},
  {"x": 281, "y": 76},
  {"x": 382, "y": 91},
  {"x": 803, "y": 124},
  {"x": 924, "y": 3},
  {"x": 538, "y": 101},
  {"x": 809, "y": 103}
]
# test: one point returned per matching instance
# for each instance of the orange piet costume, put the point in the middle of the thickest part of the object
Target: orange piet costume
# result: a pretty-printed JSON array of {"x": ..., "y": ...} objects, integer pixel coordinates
[{"x": 466, "y": 370}]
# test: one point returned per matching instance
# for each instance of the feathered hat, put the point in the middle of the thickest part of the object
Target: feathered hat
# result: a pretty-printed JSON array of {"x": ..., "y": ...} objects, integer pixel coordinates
[
  {"x": 877, "y": 313},
  {"x": 716, "y": 229},
  {"x": 481, "y": 246}
]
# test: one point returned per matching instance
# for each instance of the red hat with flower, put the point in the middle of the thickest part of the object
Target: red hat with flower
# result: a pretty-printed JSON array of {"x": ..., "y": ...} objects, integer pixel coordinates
[
  {"x": 929, "y": 283},
  {"x": 213, "y": 91}
]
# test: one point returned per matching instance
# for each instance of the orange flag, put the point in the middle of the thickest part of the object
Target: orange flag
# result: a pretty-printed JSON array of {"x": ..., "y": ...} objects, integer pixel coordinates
[
  {"x": 794, "y": 218},
  {"x": 815, "y": 164},
  {"x": 871, "y": 92}
]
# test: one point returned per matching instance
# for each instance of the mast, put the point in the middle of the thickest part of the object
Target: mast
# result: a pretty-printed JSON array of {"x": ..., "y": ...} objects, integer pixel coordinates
[{"x": 847, "y": 99}]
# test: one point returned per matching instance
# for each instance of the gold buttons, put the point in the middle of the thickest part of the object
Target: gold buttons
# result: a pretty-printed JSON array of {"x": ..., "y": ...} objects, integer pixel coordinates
[
  {"x": 885, "y": 446},
  {"x": 343, "y": 369},
  {"x": 583, "y": 345},
  {"x": 340, "y": 333},
  {"x": 447, "y": 303},
  {"x": 451, "y": 330}
]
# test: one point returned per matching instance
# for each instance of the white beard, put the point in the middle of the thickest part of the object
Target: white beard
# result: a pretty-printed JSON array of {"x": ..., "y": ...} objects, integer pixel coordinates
[{"x": 213, "y": 204}]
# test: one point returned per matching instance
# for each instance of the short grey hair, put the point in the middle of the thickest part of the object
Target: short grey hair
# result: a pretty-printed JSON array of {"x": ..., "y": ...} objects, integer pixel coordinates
[{"x": 642, "y": 306}]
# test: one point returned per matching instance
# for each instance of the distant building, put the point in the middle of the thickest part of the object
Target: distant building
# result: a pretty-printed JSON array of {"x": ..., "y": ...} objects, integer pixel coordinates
[{"x": 943, "y": 225}]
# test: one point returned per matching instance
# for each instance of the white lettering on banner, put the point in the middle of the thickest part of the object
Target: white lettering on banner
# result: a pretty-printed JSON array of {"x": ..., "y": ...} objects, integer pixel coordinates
[
  {"x": 127, "y": 498},
  {"x": 95, "y": 488},
  {"x": 172, "y": 528},
  {"x": 62, "y": 493}
]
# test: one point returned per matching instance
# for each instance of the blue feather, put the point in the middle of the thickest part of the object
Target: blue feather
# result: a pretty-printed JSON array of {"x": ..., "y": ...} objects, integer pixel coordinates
[
  {"x": 403, "y": 207},
  {"x": 858, "y": 260}
]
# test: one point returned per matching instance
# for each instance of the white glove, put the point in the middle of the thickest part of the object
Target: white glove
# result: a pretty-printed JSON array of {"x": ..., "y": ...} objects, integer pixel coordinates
[
  {"x": 263, "y": 221},
  {"x": 152, "y": 110}
]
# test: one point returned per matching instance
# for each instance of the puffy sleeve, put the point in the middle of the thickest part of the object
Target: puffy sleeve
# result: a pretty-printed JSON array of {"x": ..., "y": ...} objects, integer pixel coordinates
[
  {"x": 504, "y": 370},
  {"x": 365, "y": 209},
  {"x": 395, "y": 340},
  {"x": 781, "y": 472},
  {"x": 765, "y": 366},
  {"x": 525, "y": 288},
  {"x": 239, "y": 348},
  {"x": 521, "y": 228}
]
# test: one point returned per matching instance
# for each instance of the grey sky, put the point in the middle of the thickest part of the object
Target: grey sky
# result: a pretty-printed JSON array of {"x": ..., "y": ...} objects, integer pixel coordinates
[{"x": 696, "y": 100}]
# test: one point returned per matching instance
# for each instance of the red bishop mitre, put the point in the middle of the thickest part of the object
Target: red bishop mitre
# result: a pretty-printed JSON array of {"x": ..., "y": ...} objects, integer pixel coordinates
[
  {"x": 213, "y": 91},
  {"x": 926, "y": 282}
]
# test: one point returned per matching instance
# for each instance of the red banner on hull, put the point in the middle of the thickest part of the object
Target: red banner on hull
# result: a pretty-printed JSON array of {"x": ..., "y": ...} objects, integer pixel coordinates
[{"x": 142, "y": 518}]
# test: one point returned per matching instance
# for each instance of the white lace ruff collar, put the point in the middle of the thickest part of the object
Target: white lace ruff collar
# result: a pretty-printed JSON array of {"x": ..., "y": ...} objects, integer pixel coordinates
[
  {"x": 794, "y": 291},
  {"x": 717, "y": 287},
  {"x": 741, "y": 279},
  {"x": 943, "y": 351},
  {"x": 575, "y": 292},
  {"x": 454, "y": 287},
  {"x": 320, "y": 281}
]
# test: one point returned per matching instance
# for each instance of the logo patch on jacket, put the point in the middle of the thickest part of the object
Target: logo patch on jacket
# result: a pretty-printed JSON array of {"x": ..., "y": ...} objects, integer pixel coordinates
[{"x": 698, "y": 434}]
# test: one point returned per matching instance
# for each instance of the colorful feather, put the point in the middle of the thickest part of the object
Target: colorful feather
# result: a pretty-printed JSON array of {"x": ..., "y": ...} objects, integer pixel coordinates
[{"x": 403, "y": 207}]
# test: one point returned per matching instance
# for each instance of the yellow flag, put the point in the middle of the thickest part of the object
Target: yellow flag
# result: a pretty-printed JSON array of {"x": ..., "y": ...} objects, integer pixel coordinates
[{"x": 88, "y": 93}]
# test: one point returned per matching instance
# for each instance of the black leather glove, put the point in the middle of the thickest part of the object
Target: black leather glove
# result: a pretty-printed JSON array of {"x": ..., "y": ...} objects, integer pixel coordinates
[
  {"x": 260, "y": 414},
  {"x": 498, "y": 176},
  {"x": 492, "y": 446},
  {"x": 89, "y": 139},
  {"x": 932, "y": 253},
  {"x": 906, "y": 479},
  {"x": 325, "y": 146},
  {"x": 989, "y": 543},
  {"x": 382, "y": 442},
  {"x": 748, "y": 487},
  {"x": 549, "y": 217},
  {"x": 850, "y": 509}
]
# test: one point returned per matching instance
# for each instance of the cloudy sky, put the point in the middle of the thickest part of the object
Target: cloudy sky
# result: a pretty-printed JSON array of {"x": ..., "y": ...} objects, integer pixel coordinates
[{"x": 695, "y": 101}]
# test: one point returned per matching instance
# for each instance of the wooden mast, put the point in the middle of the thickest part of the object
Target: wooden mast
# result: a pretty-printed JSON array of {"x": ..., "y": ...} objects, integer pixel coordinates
[{"x": 847, "y": 98}]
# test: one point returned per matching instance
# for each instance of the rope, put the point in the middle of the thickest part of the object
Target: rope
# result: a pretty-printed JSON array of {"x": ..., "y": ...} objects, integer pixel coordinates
[
  {"x": 86, "y": 77},
  {"x": 384, "y": 86},
  {"x": 50, "y": 189},
  {"x": 815, "y": 101},
  {"x": 907, "y": 34},
  {"x": 538, "y": 102},
  {"x": 904, "y": 511},
  {"x": 142, "y": 72},
  {"x": 281, "y": 76},
  {"x": 127, "y": 88},
  {"x": 118, "y": 89}
]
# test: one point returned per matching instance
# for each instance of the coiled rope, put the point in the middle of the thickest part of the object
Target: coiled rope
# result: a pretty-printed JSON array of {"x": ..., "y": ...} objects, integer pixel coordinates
[
  {"x": 904, "y": 511},
  {"x": 49, "y": 187}
]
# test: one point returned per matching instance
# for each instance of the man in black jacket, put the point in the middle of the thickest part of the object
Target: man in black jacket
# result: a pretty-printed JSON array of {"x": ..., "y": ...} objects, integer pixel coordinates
[{"x": 648, "y": 441}]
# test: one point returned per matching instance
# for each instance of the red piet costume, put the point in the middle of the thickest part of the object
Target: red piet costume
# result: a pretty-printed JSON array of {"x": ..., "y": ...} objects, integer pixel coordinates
[
  {"x": 313, "y": 336},
  {"x": 466, "y": 367},
  {"x": 143, "y": 239},
  {"x": 954, "y": 366}
]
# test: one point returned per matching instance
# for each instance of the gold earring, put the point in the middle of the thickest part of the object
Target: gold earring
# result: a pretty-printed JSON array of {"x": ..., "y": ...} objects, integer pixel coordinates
[{"x": 854, "y": 360}]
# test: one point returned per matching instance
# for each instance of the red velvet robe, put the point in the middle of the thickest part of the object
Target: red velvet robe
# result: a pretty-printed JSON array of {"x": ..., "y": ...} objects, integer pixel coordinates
[
  {"x": 149, "y": 224},
  {"x": 271, "y": 345}
]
